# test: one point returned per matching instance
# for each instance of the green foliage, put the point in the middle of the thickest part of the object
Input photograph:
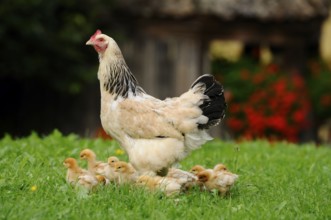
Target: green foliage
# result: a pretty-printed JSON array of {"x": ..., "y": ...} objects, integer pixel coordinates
[
  {"x": 45, "y": 41},
  {"x": 276, "y": 181},
  {"x": 319, "y": 82}
]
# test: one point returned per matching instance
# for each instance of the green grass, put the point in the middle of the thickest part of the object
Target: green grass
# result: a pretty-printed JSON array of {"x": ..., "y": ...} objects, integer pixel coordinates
[{"x": 277, "y": 181}]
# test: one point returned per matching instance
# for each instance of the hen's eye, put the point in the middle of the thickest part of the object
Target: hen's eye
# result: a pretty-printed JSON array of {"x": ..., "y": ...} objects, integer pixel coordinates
[{"x": 101, "y": 39}]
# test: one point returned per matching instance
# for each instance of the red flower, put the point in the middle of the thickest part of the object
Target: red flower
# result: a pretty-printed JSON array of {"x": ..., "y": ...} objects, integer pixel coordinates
[
  {"x": 102, "y": 134},
  {"x": 235, "y": 124},
  {"x": 299, "y": 116},
  {"x": 272, "y": 68},
  {"x": 280, "y": 86},
  {"x": 277, "y": 122},
  {"x": 276, "y": 109}
]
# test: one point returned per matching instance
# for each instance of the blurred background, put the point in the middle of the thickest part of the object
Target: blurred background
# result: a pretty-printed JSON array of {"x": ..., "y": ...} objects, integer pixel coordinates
[{"x": 272, "y": 56}]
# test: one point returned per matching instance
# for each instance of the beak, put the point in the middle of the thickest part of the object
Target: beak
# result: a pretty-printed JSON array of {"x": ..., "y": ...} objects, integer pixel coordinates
[{"x": 89, "y": 42}]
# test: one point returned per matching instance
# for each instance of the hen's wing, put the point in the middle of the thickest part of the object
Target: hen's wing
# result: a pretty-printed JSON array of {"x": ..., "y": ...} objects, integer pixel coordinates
[{"x": 151, "y": 118}]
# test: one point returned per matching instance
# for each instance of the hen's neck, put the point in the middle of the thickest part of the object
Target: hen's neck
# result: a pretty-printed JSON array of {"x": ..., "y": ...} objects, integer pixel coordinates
[{"x": 117, "y": 79}]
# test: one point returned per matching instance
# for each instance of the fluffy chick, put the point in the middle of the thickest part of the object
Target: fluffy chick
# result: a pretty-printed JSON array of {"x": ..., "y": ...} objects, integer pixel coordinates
[
  {"x": 109, "y": 170},
  {"x": 197, "y": 169},
  {"x": 220, "y": 167},
  {"x": 126, "y": 172},
  {"x": 102, "y": 180},
  {"x": 111, "y": 160},
  {"x": 184, "y": 178},
  {"x": 88, "y": 181},
  {"x": 74, "y": 171},
  {"x": 220, "y": 180},
  {"x": 95, "y": 167},
  {"x": 165, "y": 184}
]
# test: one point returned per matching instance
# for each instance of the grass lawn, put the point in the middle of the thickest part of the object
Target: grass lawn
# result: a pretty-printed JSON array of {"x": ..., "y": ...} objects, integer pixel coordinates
[{"x": 276, "y": 181}]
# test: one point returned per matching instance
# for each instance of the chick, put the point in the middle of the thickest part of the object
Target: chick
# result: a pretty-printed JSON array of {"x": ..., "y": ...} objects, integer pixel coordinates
[
  {"x": 109, "y": 170},
  {"x": 219, "y": 180},
  {"x": 220, "y": 167},
  {"x": 111, "y": 160},
  {"x": 197, "y": 169},
  {"x": 165, "y": 184},
  {"x": 74, "y": 171},
  {"x": 126, "y": 172},
  {"x": 87, "y": 181},
  {"x": 102, "y": 180},
  {"x": 95, "y": 167},
  {"x": 184, "y": 178}
]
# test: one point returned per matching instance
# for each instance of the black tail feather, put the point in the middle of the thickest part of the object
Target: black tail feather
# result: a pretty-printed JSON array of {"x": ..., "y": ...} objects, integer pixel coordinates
[{"x": 214, "y": 106}]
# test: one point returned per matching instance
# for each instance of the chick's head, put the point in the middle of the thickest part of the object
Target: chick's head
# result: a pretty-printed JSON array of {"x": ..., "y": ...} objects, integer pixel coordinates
[
  {"x": 112, "y": 160},
  {"x": 70, "y": 162},
  {"x": 121, "y": 167},
  {"x": 87, "y": 154},
  {"x": 145, "y": 180},
  {"x": 204, "y": 176},
  {"x": 197, "y": 169},
  {"x": 220, "y": 167}
]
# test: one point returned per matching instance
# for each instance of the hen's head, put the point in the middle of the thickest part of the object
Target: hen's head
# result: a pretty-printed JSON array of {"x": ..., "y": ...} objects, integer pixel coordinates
[
  {"x": 87, "y": 154},
  {"x": 70, "y": 163},
  {"x": 104, "y": 44}
]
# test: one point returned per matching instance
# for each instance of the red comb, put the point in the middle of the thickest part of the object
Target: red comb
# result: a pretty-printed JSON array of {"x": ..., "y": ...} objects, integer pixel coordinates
[{"x": 96, "y": 33}]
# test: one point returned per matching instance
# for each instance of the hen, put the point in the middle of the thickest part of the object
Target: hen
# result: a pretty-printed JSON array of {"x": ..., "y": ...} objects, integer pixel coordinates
[{"x": 154, "y": 133}]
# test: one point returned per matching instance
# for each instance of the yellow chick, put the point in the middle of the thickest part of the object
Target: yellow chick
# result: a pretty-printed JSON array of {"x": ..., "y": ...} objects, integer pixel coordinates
[
  {"x": 184, "y": 178},
  {"x": 102, "y": 180},
  {"x": 220, "y": 167},
  {"x": 74, "y": 171},
  {"x": 126, "y": 172},
  {"x": 95, "y": 167},
  {"x": 197, "y": 169},
  {"x": 165, "y": 184},
  {"x": 111, "y": 160},
  {"x": 220, "y": 180},
  {"x": 109, "y": 171}
]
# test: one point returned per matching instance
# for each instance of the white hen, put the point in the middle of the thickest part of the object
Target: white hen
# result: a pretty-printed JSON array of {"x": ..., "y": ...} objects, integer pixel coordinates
[{"x": 154, "y": 133}]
